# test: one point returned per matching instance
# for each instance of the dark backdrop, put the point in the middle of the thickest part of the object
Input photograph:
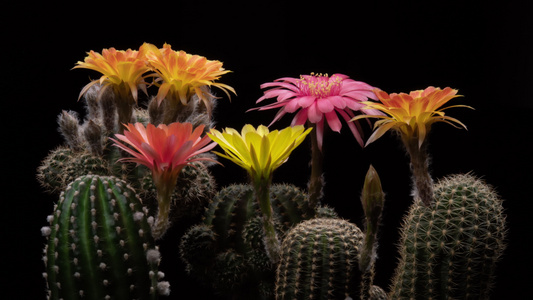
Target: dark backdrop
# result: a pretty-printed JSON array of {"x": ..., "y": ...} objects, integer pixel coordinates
[{"x": 481, "y": 48}]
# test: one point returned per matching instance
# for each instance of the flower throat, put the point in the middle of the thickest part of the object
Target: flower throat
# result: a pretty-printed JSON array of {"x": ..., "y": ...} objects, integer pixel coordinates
[{"x": 319, "y": 85}]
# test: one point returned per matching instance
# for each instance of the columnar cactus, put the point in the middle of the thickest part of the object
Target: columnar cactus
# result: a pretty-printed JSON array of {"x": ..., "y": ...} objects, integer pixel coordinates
[
  {"x": 320, "y": 261},
  {"x": 100, "y": 245},
  {"x": 449, "y": 250}
]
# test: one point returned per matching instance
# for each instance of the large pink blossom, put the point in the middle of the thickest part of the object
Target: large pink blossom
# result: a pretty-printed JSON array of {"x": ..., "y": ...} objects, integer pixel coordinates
[{"x": 318, "y": 98}]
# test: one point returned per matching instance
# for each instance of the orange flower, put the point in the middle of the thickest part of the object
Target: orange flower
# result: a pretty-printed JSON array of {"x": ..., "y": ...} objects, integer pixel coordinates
[
  {"x": 122, "y": 69},
  {"x": 411, "y": 114},
  {"x": 165, "y": 150},
  {"x": 183, "y": 74}
]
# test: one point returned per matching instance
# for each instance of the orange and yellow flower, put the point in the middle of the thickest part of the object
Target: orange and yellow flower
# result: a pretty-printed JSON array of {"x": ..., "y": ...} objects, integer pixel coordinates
[
  {"x": 411, "y": 114},
  {"x": 123, "y": 69},
  {"x": 182, "y": 74}
]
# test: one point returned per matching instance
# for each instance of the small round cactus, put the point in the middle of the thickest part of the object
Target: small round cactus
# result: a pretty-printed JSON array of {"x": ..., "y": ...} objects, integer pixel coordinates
[
  {"x": 449, "y": 250},
  {"x": 99, "y": 244},
  {"x": 320, "y": 261}
]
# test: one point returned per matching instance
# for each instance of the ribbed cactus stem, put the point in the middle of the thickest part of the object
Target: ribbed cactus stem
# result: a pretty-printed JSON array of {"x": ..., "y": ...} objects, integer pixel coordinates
[
  {"x": 449, "y": 250},
  {"x": 318, "y": 261},
  {"x": 423, "y": 183},
  {"x": 272, "y": 243},
  {"x": 99, "y": 243}
]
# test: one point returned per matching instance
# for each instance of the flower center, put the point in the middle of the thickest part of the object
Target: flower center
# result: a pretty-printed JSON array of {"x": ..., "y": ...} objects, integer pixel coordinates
[{"x": 319, "y": 85}]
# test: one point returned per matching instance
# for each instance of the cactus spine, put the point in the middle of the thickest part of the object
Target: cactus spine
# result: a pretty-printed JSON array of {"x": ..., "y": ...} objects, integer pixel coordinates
[
  {"x": 319, "y": 260},
  {"x": 228, "y": 248},
  {"x": 449, "y": 251},
  {"x": 99, "y": 244}
]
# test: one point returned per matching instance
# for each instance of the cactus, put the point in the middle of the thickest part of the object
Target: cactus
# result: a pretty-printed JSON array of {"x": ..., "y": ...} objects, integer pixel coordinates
[
  {"x": 232, "y": 238},
  {"x": 449, "y": 251},
  {"x": 319, "y": 261},
  {"x": 63, "y": 165},
  {"x": 99, "y": 244},
  {"x": 194, "y": 188}
]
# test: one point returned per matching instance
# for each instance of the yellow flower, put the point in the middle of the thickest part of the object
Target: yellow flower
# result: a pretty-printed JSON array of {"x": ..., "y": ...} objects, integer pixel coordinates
[
  {"x": 411, "y": 114},
  {"x": 259, "y": 151},
  {"x": 122, "y": 69},
  {"x": 183, "y": 74}
]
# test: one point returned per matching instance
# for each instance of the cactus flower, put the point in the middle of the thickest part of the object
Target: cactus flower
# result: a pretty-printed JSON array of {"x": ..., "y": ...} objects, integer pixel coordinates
[
  {"x": 165, "y": 150},
  {"x": 319, "y": 98},
  {"x": 122, "y": 69},
  {"x": 182, "y": 74},
  {"x": 411, "y": 114},
  {"x": 260, "y": 152}
]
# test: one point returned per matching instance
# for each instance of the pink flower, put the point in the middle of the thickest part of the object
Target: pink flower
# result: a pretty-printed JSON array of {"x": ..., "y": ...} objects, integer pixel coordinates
[
  {"x": 317, "y": 98},
  {"x": 165, "y": 150}
]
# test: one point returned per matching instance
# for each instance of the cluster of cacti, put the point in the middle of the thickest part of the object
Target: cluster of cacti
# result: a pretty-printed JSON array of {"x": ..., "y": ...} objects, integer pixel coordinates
[
  {"x": 258, "y": 240},
  {"x": 450, "y": 250},
  {"x": 88, "y": 150},
  {"x": 99, "y": 244},
  {"x": 228, "y": 250}
]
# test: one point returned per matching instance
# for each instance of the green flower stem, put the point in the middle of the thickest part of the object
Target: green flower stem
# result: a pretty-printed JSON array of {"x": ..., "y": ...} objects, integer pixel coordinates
[
  {"x": 316, "y": 181},
  {"x": 423, "y": 183},
  {"x": 272, "y": 243},
  {"x": 164, "y": 193}
]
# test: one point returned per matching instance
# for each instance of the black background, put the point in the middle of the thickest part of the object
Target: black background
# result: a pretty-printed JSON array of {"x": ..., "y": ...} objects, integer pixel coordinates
[{"x": 481, "y": 48}]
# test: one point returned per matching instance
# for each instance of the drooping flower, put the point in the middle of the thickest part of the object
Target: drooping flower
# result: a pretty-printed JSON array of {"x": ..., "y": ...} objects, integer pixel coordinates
[
  {"x": 124, "y": 70},
  {"x": 181, "y": 74},
  {"x": 259, "y": 151},
  {"x": 411, "y": 114},
  {"x": 165, "y": 150},
  {"x": 318, "y": 98}
]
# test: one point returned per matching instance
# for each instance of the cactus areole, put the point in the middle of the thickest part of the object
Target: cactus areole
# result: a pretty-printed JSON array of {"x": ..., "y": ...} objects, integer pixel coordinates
[{"x": 100, "y": 245}]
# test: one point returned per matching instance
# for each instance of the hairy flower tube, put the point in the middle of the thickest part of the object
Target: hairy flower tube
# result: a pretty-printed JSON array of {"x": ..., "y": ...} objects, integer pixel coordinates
[
  {"x": 412, "y": 116},
  {"x": 123, "y": 72},
  {"x": 181, "y": 75},
  {"x": 165, "y": 150},
  {"x": 318, "y": 99},
  {"x": 260, "y": 152}
]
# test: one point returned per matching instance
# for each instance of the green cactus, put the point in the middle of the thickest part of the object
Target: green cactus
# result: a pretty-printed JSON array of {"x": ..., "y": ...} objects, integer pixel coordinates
[
  {"x": 319, "y": 261},
  {"x": 99, "y": 244},
  {"x": 51, "y": 172},
  {"x": 232, "y": 238},
  {"x": 63, "y": 165},
  {"x": 194, "y": 188},
  {"x": 449, "y": 250}
]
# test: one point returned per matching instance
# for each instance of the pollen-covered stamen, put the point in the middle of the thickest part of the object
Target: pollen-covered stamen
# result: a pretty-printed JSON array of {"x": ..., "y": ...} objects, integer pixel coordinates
[{"x": 319, "y": 85}]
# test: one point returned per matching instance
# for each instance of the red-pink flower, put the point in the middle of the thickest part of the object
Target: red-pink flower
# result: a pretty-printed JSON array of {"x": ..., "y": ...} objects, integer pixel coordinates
[
  {"x": 165, "y": 149},
  {"x": 318, "y": 98}
]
